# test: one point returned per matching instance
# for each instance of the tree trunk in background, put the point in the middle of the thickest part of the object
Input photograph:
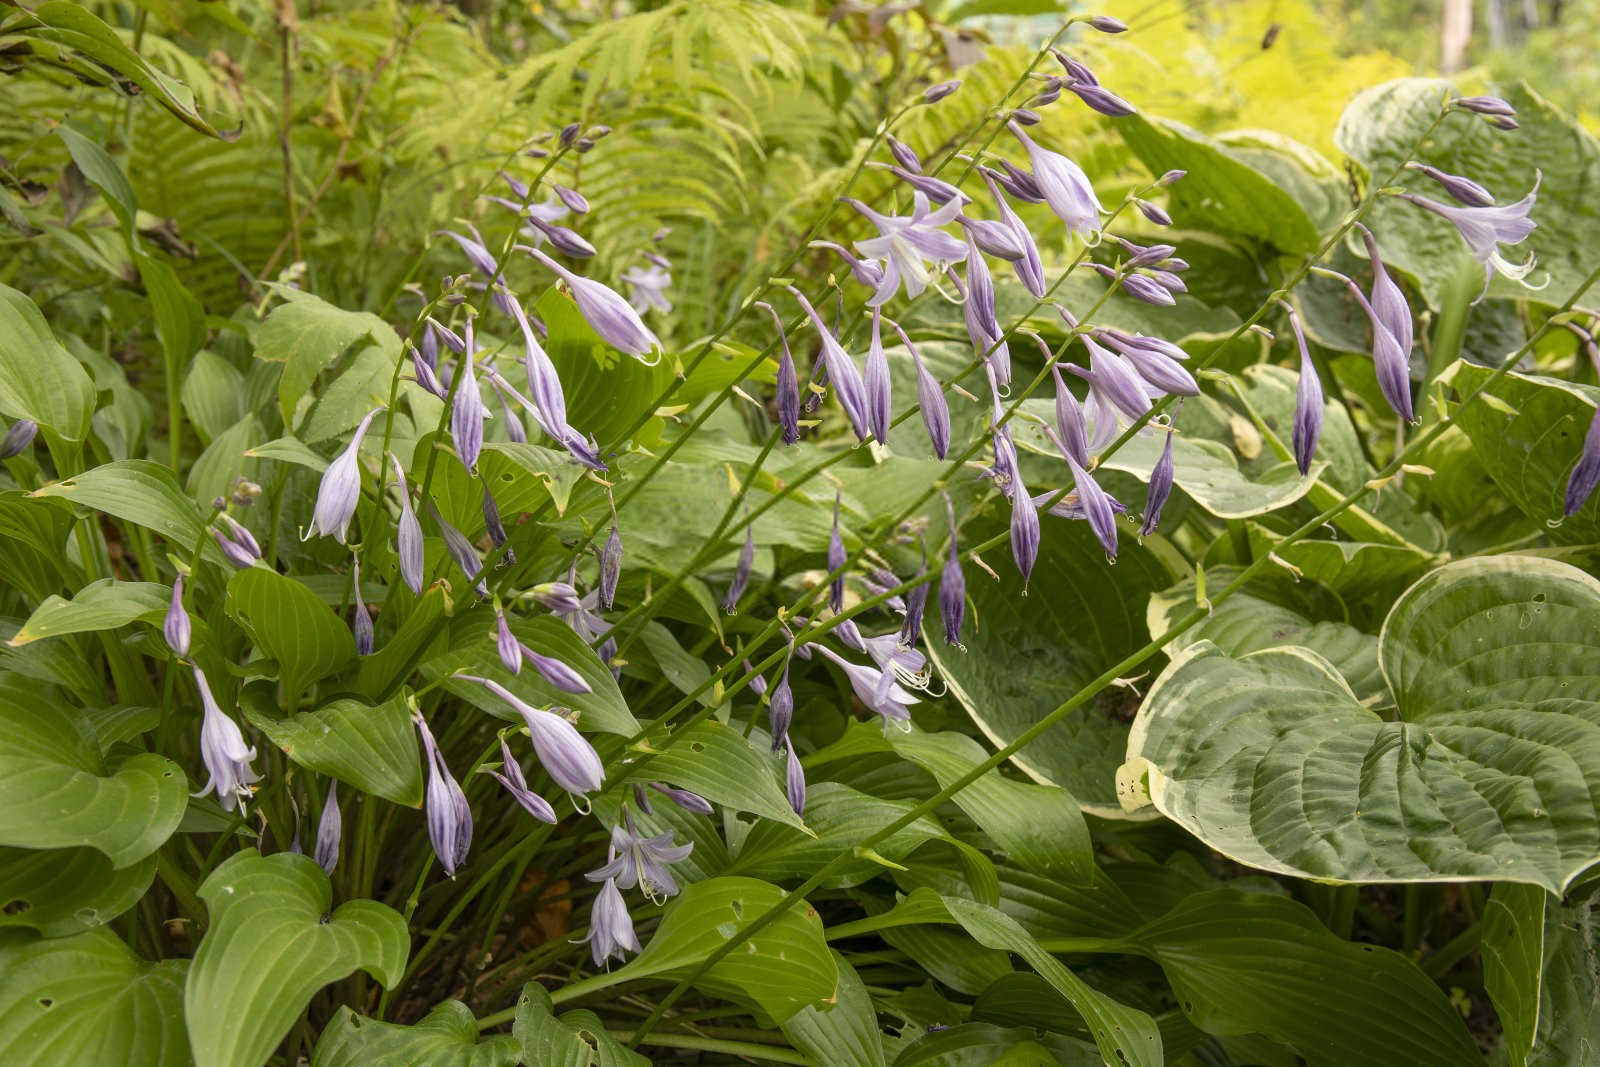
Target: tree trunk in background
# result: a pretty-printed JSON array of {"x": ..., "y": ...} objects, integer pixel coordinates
[
  {"x": 1495, "y": 18},
  {"x": 1530, "y": 14},
  {"x": 1455, "y": 31}
]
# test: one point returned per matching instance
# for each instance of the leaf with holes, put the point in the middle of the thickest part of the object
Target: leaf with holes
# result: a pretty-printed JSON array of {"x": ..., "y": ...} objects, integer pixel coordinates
[
  {"x": 726, "y": 768},
  {"x": 65, "y": 891}
]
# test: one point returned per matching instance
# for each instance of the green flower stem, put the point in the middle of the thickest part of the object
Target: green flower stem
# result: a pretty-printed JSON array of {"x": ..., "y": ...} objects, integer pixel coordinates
[{"x": 1122, "y": 669}]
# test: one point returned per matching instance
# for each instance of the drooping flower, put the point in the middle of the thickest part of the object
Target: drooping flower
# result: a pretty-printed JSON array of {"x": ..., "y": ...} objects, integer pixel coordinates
[
  {"x": 1064, "y": 186},
  {"x": 836, "y": 561},
  {"x": 780, "y": 709},
  {"x": 876, "y": 382},
  {"x": 329, "y": 830},
  {"x": 448, "y": 815},
  {"x": 1159, "y": 489},
  {"x": 903, "y": 154},
  {"x": 935, "y": 189},
  {"x": 567, "y": 756},
  {"x": 1391, "y": 331},
  {"x": 994, "y": 238},
  {"x": 236, "y": 553},
  {"x": 223, "y": 751},
  {"x": 788, "y": 384},
  {"x": 175, "y": 627},
  {"x": 493, "y": 526},
  {"x": 506, "y": 643},
  {"x": 642, "y": 861},
  {"x": 1028, "y": 266},
  {"x": 611, "y": 931},
  {"x": 1462, "y": 190},
  {"x": 510, "y": 776},
  {"x": 1485, "y": 105},
  {"x": 361, "y": 621},
  {"x": 865, "y": 271},
  {"x": 340, "y": 489},
  {"x": 461, "y": 550},
  {"x": 907, "y": 243},
  {"x": 1069, "y": 420},
  {"x": 1024, "y": 528},
  {"x": 1096, "y": 504},
  {"x": 408, "y": 533},
  {"x": 983, "y": 325},
  {"x": 930, "y": 400},
  {"x": 1586, "y": 473},
  {"x": 875, "y": 687},
  {"x": 1485, "y": 229},
  {"x": 741, "y": 572},
  {"x": 612, "y": 317},
  {"x": 18, "y": 437},
  {"x": 689, "y": 801},
  {"x": 1019, "y": 183},
  {"x": 647, "y": 288},
  {"x": 1308, "y": 400},
  {"x": 1164, "y": 373},
  {"x": 916, "y": 605},
  {"x": 842, "y": 373},
  {"x": 559, "y": 673},
  {"x": 794, "y": 779}
]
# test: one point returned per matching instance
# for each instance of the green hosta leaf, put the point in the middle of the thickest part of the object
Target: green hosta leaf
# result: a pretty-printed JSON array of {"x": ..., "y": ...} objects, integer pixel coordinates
[
  {"x": 600, "y": 709},
  {"x": 66, "y": 891},
  {"x": 1513, "y": 963},
  {"x": 987, "y": 1045},
  {"x": 89, "y": 999},
  {"x": 577, "y": 1039},
  {"x": 844, "y": 1034},
  {"x": 1027, "y": 654},
  {"x": 373, "y": 748},
  {"x": 606, "y": 392},
  {"x": 306, "y": 334},
  {"x": 1488, "y": 775},
  {"x": 780, "y": 970},
  {"x": 524, "y": 475},
  {"x": 446, "y": 1037},
  {"x": 1254, "y": 963},
  {"x": 1359, "y": 572},
  {"x": 38, "y": 379},
  {"x": 103, "y": 605},
  {"x": 291, "y": 625},
  {"x": 213, "y": 394},
  {"x": 726, "y": 768},
  {"x": 56, "y": 791},
  {"x": 137, "y": 491},
  {"x": 1528, "y": 430},
  {"x": 1569, "y": 995},
  {"x": 840, "y": 816},
  {"x": 271, "y": 944},
  {"x": 104, "y": 174},
  {"x": 180, "y": 320}
]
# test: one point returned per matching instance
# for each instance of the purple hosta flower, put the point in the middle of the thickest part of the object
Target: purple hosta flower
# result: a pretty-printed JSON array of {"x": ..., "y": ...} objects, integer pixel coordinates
[
  {"x": 515, "y": 431},
  {"x": 1163, "y": 372},
  {"x": 1462, "y": 190},
  {"x": 1029, "y": 267},
  {"x": 642, "y": 861},
  {"x": 510, "y": 776},
  {"x": 612, "y": 317},
  {"x": 175, "y": 627},
  {"x": 361, "y": 622},
  {"x": 610, "y": 565},
  {"x": 930, "y": 400},
  {"x": 449, "y": 816},
  {"x": 557, "y": 672},
  {"x": 648, "y": 288},
  {"x": 788, "y": 400},
  {"x": 241, "y": 535},
  {"x": 1586, "y": 474},
  {"x": 693, "y": 803},
  {"x": 1154, "y": 212},
  {"x": 935, "y": 93},
  {"x": 993, "y": 237},
  {"x": 493, "y": 526},
  {"x": 916, "y": 605},
  {"x": 937, "y": 190},
  {"x": 18, "y": 437},
  {"x": 1019, "y": 183},
  {"x": 876, "y": 380},
  {"x": 569, "y": 133},
  {"x": 741, "y": 572},
  {"x": 1114, "y": 387},
  {"x": 1064, "y": 186},
  {"x": 1097, "y": 507},
  {"x": 794, "y": 779},
  {"x": 570, "y": 760},
  {"x": 329, "y": 829},
  {"x": 874, "y": 687},
  {"x": 559, "y": 597},
  {"x": 1485, "y": 105},
  {"x": 1171, "y": 177},
  {"x": 466, "y": 409},
  {"x": 865, "y": 271},
  {"x": 1074, "y": 431},
  {"x": 903, "y": 154},
  {"x": 1308, "y": 400},
  {"x": 982, "y": 321},
  {"x": 842, "y": 373},
  {"x": 567, "y": 242},
  {"x": 908, "y": 665},
  {"x": 1024, "y": 529},
  {"x": 1485, "y": 229},
  {"x": 340, "y": 489},
  {"x": 476, "y": 251},
  {"x": 461, "y": 550},
  {"x": 1101, "y": 99},
  {"x": 1108, "y": 24},
  {"x": 610, "y": 927},
  {"x": 907, "y": 243},
  {"x": 549, "y": 407},
  {"x": 222, "y": 748},
  {"x": 237, "y": 553},
  {"x": 1170, "y": 280},
  {"x": 780, "y": 709},
  {"x": 1159, "y": 489},
  {"x": 836, "y": 561},
  {"x": 1141, "y": 287},
  {"x": 506, "y": 643},
  {"x": 1391, "y": 332},
  {"x": 1145, "y": 255},
  {"x": 1028, "y": 117},
  {"x": 426, "y": 375},
  {"x": 408, "y": 533},
  {"x": 438, "y": 332},
  {"x": 758, "y": 684}
]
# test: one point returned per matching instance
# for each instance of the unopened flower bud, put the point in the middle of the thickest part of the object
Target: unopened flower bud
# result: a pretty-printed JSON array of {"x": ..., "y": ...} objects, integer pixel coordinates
[
  {"x": 935, "y": 93},
  {"x": 17, "y": 438},
  {"x": 1108, "y": 24}
]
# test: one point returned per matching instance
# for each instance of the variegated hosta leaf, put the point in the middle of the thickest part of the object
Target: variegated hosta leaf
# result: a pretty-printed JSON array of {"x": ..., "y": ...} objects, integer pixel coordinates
[{"x": 1489, "y": 774}]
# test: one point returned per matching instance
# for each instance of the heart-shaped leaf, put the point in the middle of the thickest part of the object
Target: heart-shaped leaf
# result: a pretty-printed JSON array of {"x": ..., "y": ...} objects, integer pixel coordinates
[
  {"x": 1489, "y": 774},
  {"x": 446, "y": 1037},
  {"x": 66, "y": 891},
  {"x": 373, "y": 748},
  {"x": 291, "y": 625},
  {"x": 271, "y": 944}
]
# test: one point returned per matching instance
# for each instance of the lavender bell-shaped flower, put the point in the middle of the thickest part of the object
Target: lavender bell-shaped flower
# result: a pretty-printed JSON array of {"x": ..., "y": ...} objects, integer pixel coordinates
[
  {"x": 612, "y": 317},
  {"x": 1154, "y": 364},
  {"x": 460, "y": 550},
  {"x": 905, "y": 244},
  {"x": 903, "y": 154},
  {"x": 18, "y": 437},
  {"x": 874, "y": 687},
  {"x": 842, "y": 373},
  {"x": 876, "y": 381},
  {"x": 837, "y": 558},
  {"x": 642, "y": 861},
  {"x": 1391, "y": 332},
  {"x": 1069, "y": 419},
  {"x": 794, "y": 779},
  {"x": 361, "y": 621},
  {"x": 1462, "y": 190},
  {"x": 1097, "y": 507},
  {"x": 1064, "y": 186},
  {"x": 571, "y": 761},
  {"x": 448, "y": 815},
  {"x": 493, "y": 526},
  {"x": 937, "y": 190},
  {"x": 340, "y": 489},
  {"x": 689, "y": 801},
  {"x": 329, "y": 830},
  {"x": 222, "y": 749},
  {"x": 610, "y": 565},
  {"x": 510, "y": 776},
  {"x": 1485, "y": 229},
  {"x": 1308, "y": 400},
  {"x": 1029, "y": 267},
  {"x": 647, "y": 288},
  {"x": 916, "y": 606},
  {"x": 1586, "y": 474},
  {"x": 1024, "y": 528},
  {"x": 566, "y": 241},
  {"x": 427, "y": 376},
  {"x": 865, "y": 271},
  {"x": 175, "y": 627},
  {"x": 506, "y": 643},
  {"x": 994, "y": 237},
  {"x": 780, "y": 709},
  {"x": 741, "y": 572},
  {"x": 544, "y": 384},
  {"x": 983, "y": 325},
  {"x": 611, "y": 931},
  {"x": 930, "y": 400},
  {"x": 1159, "y": 489},
  {"x": 408, "y": 533},
  {"x": 952, "y": 587},
  {"x": 788, "y": 399},
  {"x": 558, "y": 673},
  {"x": 467, "y": 411},
  {"x": 237, "y": 553}
]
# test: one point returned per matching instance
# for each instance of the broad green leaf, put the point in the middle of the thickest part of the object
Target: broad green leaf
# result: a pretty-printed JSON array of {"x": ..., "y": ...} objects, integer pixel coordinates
[
  {"x": 373, "y": 748},
  {"x": 225, "y": 460},
  {"x": 839, "y": 816},
  {"x": 1360, "y": 572},
  {"x": 523, "y": 476},
  {"x": 601, "y": 709},
  {"x": 446, "y": 1037},
  {"x": 213, "y": 394},
  {"x": 103, "y": 605},
  {"x": 139, "y": 491},
  {"x": 89, "y": 999},
  {"x": 1026, "y": 654},
  {"x": 1378, "y": 131},
  {"x": 105, "y": 174},
  {"x": 57, "y": 791},
  {"x": 686, "y": 671},
  {"x": 289, "y": 624},
  {"x": 1569, "y": 994},
  {"x": 53, "y": 662},
  {"x": 1487, "y": 776},
  {"x": 726, "y": 768},
  {"x": 844, "y": 1034},
  {"x": 606, "y": 391},
  {"x": 289, "y": 450},
  {"x": 66, "y": 891},
  {"x": 577, "y": 1039},
  {"x": 307, "y": 334},
  {"x": 180, "y": 320},
  {"x": 1513, "y": 962},
  {"x": 38, "y": 379},
  {"x": 780, "y": 970},
  {"x": 1255, "y": 963},
  {"x": 1528, "y": 430},
  {"x": 274, "y": 940},
  {"x": 424, "y": 628}
]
